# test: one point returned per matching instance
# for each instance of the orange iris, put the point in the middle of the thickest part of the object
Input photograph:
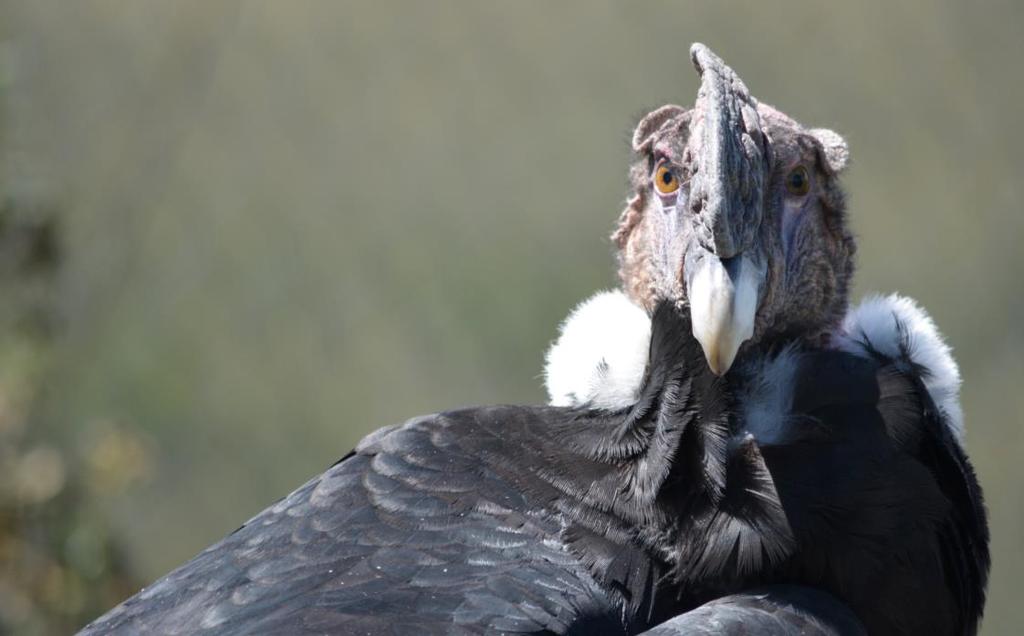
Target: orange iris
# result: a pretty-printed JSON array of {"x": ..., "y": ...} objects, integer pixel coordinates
[{"x": 665, "y": 180}]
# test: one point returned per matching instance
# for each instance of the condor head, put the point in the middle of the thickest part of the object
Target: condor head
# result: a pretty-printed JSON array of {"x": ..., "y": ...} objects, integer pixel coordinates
[{"x": 737, "y": 215}]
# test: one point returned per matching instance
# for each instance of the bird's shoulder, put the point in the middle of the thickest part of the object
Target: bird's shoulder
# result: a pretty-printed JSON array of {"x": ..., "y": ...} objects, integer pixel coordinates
[{"x": 868, "y": 437}]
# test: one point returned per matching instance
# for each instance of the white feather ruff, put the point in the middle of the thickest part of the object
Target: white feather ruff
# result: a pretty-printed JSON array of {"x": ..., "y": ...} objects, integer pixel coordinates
[
  {"x": 897, "y": 326},
  {"x": 600, "y": 356}
]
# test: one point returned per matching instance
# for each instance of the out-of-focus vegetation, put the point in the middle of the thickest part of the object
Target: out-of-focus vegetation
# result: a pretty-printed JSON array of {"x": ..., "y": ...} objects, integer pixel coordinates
[
  {"x": 284, "y": 225},
  {"x": 59, "y": 564}
]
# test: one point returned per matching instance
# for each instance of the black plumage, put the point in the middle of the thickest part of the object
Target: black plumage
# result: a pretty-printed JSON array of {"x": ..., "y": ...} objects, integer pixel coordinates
[
  {"x": 785, "y": 610},
  {"x": 516, "y": 519}
]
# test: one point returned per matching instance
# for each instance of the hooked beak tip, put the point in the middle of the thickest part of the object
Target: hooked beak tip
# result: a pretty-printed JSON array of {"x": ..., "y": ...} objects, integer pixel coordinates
[
  {"x": 719, "y": 358},
  {"x": 717, "y": 363},
  {"x": 723, "y": 304}
]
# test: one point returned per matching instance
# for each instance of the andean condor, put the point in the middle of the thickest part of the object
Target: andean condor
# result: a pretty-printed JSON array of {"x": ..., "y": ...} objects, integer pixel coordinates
[{"x": 730, "y": 449}]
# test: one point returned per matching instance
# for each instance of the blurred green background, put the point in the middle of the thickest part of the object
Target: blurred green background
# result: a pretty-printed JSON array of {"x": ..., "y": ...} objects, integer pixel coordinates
[{"x": 237, "y": 236}]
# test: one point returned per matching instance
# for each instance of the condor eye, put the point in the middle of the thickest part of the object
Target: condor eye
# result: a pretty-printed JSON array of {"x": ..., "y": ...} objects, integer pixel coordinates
[
  {"x": 797, "y": 181},
  {"x": 665, "y": 180}
]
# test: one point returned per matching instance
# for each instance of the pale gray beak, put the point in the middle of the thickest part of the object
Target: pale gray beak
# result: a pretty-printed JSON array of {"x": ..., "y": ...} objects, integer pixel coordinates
[
  {"x": 723, "y": 304},
  {"x": 724, "y": 274}
]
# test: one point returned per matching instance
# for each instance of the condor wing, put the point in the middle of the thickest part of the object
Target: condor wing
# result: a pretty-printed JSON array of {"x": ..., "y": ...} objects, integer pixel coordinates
[{"x": 407, "y": 534}]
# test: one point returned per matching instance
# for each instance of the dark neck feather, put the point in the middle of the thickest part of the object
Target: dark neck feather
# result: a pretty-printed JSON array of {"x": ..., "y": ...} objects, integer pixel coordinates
[
  {"x": 678, "y": 429},
  {"x": 658, "y": 461}
]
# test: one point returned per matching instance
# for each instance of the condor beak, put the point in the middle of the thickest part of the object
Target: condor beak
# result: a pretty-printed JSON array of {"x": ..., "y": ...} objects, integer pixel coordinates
[
  {"x": 723, "y": 303},
  {"x": 724, "y": 274}
]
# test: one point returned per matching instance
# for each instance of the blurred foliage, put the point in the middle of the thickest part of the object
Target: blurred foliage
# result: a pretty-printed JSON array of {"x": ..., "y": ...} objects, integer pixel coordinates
[
  {"x": 283, "y": 225},
  {"x": 59, "y": 563}
]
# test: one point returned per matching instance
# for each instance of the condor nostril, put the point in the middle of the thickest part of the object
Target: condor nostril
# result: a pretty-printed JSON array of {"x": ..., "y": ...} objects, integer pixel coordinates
[{"x": 732, "y": 265}]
